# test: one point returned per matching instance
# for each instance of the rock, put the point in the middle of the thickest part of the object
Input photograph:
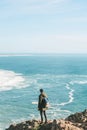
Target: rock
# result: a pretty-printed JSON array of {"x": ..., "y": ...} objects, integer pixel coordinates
[
  {"x": 59, "y": 125},
  {"x": 28, "y": 125},
  {"x": 77, "y": 121},
  {"x": 78, "y": 117}
]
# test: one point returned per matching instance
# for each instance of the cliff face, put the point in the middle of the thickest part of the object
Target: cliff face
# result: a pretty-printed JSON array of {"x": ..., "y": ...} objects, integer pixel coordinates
[{"x": 77, "y": 121}]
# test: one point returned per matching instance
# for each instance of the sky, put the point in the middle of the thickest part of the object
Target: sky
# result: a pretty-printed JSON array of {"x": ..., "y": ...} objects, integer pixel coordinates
[{"x": 43, "y": 26}]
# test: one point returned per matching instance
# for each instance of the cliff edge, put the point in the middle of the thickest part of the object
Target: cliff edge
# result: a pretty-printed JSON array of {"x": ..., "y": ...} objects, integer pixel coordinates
[{"x": 77, "y": 121}]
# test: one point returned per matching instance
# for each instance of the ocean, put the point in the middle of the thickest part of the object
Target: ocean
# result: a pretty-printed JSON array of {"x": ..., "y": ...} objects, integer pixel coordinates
[{"x": 62, "y": 76}]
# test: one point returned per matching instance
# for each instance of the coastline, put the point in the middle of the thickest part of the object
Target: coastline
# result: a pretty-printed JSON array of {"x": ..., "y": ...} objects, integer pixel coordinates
[{"x": 77, "y": 121}]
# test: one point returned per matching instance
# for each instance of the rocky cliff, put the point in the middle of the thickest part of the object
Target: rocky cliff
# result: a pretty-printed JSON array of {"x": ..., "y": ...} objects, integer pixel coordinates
[{"x": 77, "y": 121}]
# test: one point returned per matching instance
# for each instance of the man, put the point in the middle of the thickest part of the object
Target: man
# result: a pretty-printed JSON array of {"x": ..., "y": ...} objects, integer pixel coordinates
[{"x": 42, "y": 105}]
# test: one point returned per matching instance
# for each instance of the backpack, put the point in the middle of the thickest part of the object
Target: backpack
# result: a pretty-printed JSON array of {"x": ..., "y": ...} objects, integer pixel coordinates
[{"x": 46, "y": 102}]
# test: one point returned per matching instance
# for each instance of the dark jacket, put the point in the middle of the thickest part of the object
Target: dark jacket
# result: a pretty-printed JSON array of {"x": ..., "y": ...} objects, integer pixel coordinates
[{"x": 42, "y": 102}]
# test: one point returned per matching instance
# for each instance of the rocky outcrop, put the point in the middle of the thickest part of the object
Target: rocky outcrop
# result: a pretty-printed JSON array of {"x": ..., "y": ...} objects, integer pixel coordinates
[
  {"x": 80, "y": 117},
  {"x": 27, "y": 125},
  {"x": 77, "y": 121},
  {"x": 51, "y": 125},
  {"x": 59, "y": 125}
]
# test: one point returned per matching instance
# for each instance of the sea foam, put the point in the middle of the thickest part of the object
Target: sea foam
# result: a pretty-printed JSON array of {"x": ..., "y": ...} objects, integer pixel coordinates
[{"x": 11, "y": 80}]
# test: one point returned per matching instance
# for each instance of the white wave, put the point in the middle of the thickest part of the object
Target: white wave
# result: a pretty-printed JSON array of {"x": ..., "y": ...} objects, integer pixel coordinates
[
  {"x": 78, "y": 82},
  {"x": 58, "y": 113},
  {"x": 11, "y": 80},
  {"x": 70, "y": 95},
  {"x": 35, "y": 102}
]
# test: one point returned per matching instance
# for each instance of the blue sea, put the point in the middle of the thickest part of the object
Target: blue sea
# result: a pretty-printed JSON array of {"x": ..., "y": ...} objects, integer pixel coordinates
[{"x": 62, "y": 76}]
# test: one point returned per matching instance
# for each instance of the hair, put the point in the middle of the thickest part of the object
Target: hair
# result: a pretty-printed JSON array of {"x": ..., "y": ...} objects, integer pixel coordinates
[{"x": 41, "y": 90}]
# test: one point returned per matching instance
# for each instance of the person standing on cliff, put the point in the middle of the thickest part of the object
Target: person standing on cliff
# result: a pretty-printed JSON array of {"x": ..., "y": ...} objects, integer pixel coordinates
[{"x": 42, "y": 105}]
